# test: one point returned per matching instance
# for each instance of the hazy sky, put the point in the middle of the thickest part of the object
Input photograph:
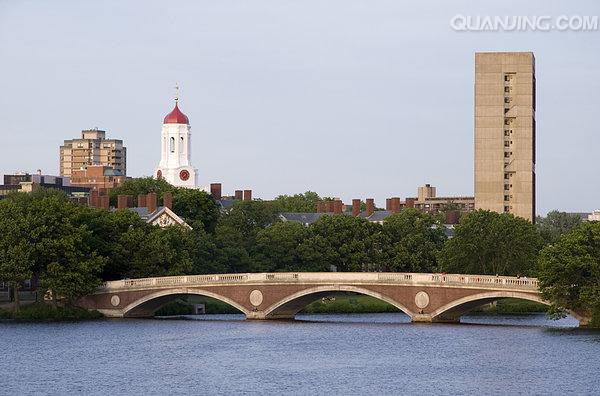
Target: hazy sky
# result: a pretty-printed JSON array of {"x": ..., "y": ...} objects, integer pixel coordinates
[{"x": 343, "y": 97}]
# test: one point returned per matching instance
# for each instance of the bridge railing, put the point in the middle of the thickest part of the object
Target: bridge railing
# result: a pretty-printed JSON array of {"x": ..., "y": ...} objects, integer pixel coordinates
[{"x": 328, "y": 277}]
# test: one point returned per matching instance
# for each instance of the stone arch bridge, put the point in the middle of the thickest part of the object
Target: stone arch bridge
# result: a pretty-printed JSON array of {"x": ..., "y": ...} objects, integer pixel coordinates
[{"x": 423, "y": 297}]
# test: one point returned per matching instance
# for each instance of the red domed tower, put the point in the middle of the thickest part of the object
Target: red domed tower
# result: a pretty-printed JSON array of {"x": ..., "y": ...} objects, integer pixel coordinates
[{"x": 175, "y": 156}]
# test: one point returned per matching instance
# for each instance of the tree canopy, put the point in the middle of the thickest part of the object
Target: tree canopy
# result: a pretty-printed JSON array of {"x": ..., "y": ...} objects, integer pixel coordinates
[
  {"x": 298, "y": 203},
  {"x": 195, "y": 206},
  {"x": 491, "y": 243},
  {"x": 556, "y": 224},
  {"x": 569, "y": 271}
]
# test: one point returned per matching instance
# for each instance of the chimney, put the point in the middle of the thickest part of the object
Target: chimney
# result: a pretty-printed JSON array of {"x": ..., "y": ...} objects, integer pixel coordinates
[
  {"x": 328, "y": 206},
  {"x": 103, "y": 202},
  {"x": 151, "y": 202},
  {"x": 355, "y": 207},
  {"x": 337, "y": 206},
  {"x": 122, "y": 201},
  {"x": 388, "y": 204},
  {"x": 370, "y": 206},
  {"x": 215, "y": 191},
  {"x": 168, "y": 200},
  {"x": 94, "y": 199},
  {"x": 239, "y": 195},
  {"x": 452, "y": 217},
  {"x": 395, "y": 204},
  {"x": 141, "y": 201},
  {"x": 247, "y": 195}
]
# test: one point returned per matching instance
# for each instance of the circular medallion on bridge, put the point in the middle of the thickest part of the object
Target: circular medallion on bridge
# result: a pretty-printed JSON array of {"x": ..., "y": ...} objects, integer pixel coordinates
[
  {"x": 115, "y": 300},
  {"x": 422, "y": 299},
  {"x": 256, "y": 297}
]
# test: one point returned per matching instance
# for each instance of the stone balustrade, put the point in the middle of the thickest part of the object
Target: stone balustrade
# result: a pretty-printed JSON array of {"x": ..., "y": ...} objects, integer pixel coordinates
[{"x": 409, "y": 279}]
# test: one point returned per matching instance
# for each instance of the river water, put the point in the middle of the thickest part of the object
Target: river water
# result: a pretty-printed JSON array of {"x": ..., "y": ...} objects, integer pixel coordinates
[{"x": 316, "y": 354}]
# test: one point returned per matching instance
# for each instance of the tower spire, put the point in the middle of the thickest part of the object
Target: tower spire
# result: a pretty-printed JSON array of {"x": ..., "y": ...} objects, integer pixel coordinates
[{"x": 176, "y": 93}]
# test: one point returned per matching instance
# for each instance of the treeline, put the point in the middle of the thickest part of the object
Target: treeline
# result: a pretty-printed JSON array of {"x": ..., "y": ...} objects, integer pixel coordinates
[{"x": 70, "y": 249}]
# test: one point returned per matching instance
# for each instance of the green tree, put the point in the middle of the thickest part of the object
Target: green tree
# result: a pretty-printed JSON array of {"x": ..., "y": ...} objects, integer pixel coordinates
[
  {"x": 569, "y": 271},
  {"x": 151, "y": 251},
  {"x": 298, "y": 203},
  {"x": 350, "y": 242},
  {"x": 277, "y": 247},
  {"x": 413, "y": 241},
  {"x": 556, "y": 224},
  {"x": 107, "y": 229},
  {"x": 491, "y": 243},
  {"x": 232, "y": 253},
  {"x": 57, "y": 249},
  {"x": 16, "y": 263},
  {"x": 249, "y": 217},
  {"x": 316, "y": 254},
  {"x": 197, "y": 207}
]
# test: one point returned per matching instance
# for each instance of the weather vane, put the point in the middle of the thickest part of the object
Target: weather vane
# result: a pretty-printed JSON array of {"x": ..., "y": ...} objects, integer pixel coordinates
[{"x": 176, "y": 92}]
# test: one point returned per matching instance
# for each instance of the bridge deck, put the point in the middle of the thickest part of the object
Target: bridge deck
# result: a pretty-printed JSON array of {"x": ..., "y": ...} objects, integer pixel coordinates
[{"x": 408, "y": 279}]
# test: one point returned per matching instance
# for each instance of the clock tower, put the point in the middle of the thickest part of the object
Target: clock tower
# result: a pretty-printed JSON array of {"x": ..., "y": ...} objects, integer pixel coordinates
[{"x": 175, "y": 166}]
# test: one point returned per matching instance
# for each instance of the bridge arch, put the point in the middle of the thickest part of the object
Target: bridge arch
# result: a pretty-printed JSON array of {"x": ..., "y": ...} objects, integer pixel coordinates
[
  {"x": 288, "y": 307},
  {"x": 455, "y": 309},
  {"x": 147, "y": 305}
]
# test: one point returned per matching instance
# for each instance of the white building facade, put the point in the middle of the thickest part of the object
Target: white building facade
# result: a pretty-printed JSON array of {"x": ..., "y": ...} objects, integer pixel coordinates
[{"x": 175, "y": 155}]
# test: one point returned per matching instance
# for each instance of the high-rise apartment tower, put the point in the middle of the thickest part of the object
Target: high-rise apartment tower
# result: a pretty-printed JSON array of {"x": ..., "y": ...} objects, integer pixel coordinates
[
  {"x": 505, "y": 132},
  {"x": 93, "y": 148}
]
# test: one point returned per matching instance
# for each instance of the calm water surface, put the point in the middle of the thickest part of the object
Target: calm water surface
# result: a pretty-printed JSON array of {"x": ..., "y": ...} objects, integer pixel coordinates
[{"x": 317, "y": 354}]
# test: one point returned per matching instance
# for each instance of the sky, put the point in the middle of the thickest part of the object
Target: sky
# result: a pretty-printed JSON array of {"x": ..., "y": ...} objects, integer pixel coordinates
[{"x": 348, "y": 98}]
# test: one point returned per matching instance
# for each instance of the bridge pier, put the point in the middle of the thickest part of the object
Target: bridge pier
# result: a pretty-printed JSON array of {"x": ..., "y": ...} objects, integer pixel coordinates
[{"x": 427, "y": 318}]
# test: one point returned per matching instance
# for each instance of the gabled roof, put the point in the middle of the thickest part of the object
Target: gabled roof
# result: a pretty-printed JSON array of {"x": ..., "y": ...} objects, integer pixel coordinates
[
  {"x": 152, "y": 217},
  {"x": 379, "y": 215},
  {"x": 226, "y": 203},
  {"x": 304, "y": 218}
]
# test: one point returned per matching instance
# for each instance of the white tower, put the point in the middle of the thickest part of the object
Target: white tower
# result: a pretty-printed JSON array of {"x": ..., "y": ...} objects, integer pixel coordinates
[{"x": 175, "y": 166}]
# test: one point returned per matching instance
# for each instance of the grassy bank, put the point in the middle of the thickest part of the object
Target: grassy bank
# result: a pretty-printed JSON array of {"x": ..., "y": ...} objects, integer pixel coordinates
[
  {"x": 512, "y": 306},
  {"x": 350, "y": 303},
  {"x": 41, "y": 312},
  {"x": 343, "y": 303},
  {"x": 186, "y": 307}
]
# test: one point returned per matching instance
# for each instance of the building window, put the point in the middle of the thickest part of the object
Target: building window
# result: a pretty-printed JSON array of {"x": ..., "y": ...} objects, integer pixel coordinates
[
  {"x": 506, "y": 89},
  {"x": 506, "y": 209},
  {"x": 172, "y": 145}
]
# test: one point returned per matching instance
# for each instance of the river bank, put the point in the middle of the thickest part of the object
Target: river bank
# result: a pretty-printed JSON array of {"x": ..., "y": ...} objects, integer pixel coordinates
[
  {"x": 344, "y": 304},
  {"x": 41, "y": 312}
]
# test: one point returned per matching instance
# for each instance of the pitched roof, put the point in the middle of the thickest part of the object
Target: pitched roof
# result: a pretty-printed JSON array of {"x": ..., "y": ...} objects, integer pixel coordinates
[
  {"x": 304, "y": 218},
  {"x": 150, "y": 217},
  {"x": 379, "y": 215},
  {"x": 226, "y": 203}
]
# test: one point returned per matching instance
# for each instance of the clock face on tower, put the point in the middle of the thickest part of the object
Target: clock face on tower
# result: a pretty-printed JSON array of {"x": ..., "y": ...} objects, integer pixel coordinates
[
  {"x": 158, "y": 174},
  {"x": 184, "y": 175}
]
